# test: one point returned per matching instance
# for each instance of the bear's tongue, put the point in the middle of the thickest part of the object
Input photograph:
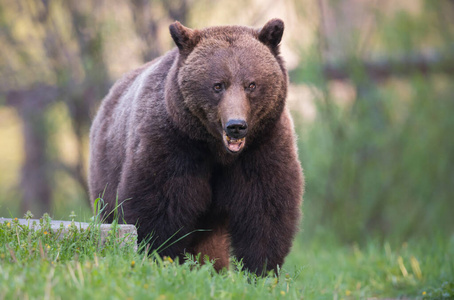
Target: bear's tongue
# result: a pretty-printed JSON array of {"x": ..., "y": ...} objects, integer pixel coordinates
[{"x": 234, "y": 145}]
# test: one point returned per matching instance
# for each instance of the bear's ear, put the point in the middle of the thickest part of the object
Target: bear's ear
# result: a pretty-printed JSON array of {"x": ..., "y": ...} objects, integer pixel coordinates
[
  {"x": 271, "y": 34},
  {"x": 185, "y": 38}
]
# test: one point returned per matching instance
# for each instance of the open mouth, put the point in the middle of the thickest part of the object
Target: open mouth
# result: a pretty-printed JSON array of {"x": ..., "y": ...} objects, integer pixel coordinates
[{"x": 232, "y": 144}]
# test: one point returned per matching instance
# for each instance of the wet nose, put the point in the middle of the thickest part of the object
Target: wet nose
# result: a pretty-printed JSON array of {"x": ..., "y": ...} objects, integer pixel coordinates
[{"x": 236, "y": 129}]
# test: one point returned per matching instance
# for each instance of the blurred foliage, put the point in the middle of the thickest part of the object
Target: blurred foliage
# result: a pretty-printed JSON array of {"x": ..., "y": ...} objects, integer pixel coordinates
[
  {"x": 383, "y": 164},
  {"x": 370, "y": 171},
  {"x": 445, "y": 291}
]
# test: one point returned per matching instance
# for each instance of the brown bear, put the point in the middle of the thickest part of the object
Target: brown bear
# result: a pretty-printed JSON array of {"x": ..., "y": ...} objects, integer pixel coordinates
[{"x": 200, "y": 141}]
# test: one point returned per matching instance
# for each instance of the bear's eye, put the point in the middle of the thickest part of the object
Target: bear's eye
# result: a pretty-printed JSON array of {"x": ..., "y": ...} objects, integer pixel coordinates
[
  {"x": 218, "y": 87},
  {"x": 252, "y": 86}
]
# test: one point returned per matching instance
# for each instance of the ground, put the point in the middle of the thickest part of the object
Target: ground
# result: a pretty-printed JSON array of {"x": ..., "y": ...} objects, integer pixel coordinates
[{"x": 37, "y": 265}]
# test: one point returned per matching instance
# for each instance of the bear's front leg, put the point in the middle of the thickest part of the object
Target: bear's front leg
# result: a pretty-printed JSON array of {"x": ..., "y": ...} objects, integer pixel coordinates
[
  {"x": 166, "y": 196},
  {"x": 266, "y": 193}
]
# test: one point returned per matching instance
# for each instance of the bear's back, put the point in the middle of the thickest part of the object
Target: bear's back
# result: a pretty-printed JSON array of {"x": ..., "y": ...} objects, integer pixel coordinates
[{"x": 134, "y": 96}]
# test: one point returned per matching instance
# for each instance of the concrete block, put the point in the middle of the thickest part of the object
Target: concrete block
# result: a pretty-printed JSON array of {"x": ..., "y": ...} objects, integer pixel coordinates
[{"x": 125, "y": 232}]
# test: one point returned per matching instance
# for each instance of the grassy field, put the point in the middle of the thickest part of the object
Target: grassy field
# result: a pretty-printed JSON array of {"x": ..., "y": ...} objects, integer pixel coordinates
[{"x": 36, "y": 264}]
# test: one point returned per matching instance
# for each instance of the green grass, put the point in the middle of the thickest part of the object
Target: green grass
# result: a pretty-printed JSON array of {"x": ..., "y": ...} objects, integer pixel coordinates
[
  {"x": 36, "y": 264},
  {"x": 414, "y": 269}
]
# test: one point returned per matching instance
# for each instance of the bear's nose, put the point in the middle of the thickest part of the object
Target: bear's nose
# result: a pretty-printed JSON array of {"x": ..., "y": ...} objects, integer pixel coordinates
[{"x": 236, "y": 129}]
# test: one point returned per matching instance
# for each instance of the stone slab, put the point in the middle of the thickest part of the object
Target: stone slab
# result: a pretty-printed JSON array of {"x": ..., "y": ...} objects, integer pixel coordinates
[{"x": 125, "y": 232}]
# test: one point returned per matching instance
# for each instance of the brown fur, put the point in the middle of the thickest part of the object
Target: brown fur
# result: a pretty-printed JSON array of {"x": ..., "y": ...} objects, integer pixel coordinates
[{"x": 157, "y": 146}]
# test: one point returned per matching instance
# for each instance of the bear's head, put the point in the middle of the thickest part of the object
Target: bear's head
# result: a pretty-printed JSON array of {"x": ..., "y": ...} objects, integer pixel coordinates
[{"x": 232, "y": 79}]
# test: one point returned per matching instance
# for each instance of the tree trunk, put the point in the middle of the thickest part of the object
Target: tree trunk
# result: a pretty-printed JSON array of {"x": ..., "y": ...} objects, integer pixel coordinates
[{"x": 36, "y": 174}]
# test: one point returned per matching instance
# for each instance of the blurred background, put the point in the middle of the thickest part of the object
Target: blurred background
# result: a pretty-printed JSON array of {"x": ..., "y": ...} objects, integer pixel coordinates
[{"x": 372, "y": 95}]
